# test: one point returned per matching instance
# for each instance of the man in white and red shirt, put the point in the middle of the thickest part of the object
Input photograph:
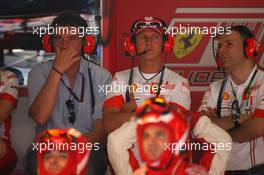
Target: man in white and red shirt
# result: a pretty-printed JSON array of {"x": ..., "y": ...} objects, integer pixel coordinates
[
  {"x": 151, "y": 43},
  {"x": 149, "y": 40},
  {"x": 236, "y": 103},
  {"x": 8, "y": 101}
]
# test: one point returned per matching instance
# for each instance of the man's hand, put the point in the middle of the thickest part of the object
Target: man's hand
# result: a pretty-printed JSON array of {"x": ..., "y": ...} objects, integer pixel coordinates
[
  {"x": 65, "y": 58},
  {"x": 210, "y": 113},
  {"x": 243, "y": 118},
  {"x": 130, "y": 106},
  {"x": 3, "y": 148}
]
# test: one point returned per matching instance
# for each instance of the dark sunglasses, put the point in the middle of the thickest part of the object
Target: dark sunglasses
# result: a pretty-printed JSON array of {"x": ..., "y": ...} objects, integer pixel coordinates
[
  {"x": 155, "y": 105},
  {"x": 235, "y": 110},
  {"x": 70, "y": 106},
  {"x": 55, "y": 135},
  {"x": 143, "y": 24}
]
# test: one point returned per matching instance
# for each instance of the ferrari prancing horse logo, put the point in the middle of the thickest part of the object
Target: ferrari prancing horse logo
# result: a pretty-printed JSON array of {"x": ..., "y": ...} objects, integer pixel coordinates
[{"x": 186, "y": 43}]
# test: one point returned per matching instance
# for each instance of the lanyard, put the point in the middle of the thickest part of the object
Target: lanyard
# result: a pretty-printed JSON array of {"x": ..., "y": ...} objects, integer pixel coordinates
[
  {"x": 73, "y": 93},
  {"x": 247, "y": 92},
  {"x": 131, "y": 79}
]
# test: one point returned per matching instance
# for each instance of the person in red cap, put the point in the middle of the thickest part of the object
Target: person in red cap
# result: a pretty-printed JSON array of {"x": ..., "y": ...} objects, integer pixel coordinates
[
  {"x": 59, "y": 152},
  {"x": 151, "y": 42},
  {"x": 158, "y": 128}
]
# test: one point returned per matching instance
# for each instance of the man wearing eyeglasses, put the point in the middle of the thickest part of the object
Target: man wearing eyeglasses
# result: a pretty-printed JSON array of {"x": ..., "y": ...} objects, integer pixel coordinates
[
  {"x": 63, "y": 93},
  {"x": 236, "y": 103}
]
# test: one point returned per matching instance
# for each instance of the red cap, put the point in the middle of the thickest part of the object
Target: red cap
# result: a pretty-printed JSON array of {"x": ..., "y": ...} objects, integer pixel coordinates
[{"x": 149, "y": 22}]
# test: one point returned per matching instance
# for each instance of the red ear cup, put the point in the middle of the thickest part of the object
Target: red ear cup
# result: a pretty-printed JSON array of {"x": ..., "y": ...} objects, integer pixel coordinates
[
  {"x": 168, "y": 44},
  {"x": 46, "y": 43},
  {"x": 131, "y": 50},
  {"x": 129, "y": 46},
  {"x": 89, "y": 44},
  {"x": 252, "y": 47}
]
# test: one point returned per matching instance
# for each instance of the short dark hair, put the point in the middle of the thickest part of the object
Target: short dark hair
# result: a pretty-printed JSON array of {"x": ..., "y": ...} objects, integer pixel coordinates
[
  {"x": 69, "y": 19},
  {"x": 243, "y": 31}
]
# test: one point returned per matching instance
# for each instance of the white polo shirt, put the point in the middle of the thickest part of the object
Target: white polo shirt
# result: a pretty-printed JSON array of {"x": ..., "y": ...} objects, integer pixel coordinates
[
  {"x": 247, "y": 154},
  {"x": 174, "y": 89}
]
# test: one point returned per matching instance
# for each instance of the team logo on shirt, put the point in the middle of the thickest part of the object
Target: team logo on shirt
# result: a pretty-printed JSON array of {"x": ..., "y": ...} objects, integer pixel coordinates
[
  {"x": 134, "y": 87},
  {"x": 226, "y": 96},
  {"x": 185, "y": 88}
]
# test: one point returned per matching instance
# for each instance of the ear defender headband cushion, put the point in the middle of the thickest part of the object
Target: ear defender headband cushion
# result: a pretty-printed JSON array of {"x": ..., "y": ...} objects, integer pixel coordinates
[
  {"x": 47, "y": 43},
  {"x": 168, "y": 43},
  {"x": 130, "y": 45},
  {"x": 69, "y": 19},
  {"x": 251, "y": 47},
  {"x": 89, "y": 44},
  {"x": 250, "y": 44}
]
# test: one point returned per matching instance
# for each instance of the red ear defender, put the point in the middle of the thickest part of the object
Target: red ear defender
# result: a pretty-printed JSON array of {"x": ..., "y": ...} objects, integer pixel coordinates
[
  {"x": 168, "y": 44},
  {"x": 129, "y": 46},
  {"x": 89, "y": 44},
  {"x": 252, "y": 47},
  {"x": 46, "y": 43}
]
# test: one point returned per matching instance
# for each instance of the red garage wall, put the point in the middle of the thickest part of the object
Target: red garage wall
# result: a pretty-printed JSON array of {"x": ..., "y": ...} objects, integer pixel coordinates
[{"x": 195, "y": 62}]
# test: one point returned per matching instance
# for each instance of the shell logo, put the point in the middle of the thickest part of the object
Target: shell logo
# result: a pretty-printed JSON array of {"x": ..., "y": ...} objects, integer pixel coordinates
[
  {"x": 134, "y": 87},
  {"x": 226, "y": 96}
]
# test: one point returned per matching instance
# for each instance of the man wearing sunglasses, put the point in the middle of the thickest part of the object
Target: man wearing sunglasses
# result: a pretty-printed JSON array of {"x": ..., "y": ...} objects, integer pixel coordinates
[
  {"x": 63, "y": 92},
  {"x": 236, "y": 103}
]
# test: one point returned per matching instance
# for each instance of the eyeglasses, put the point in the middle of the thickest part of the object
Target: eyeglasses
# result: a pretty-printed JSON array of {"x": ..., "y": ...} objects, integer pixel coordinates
[
  {"x": 70, "y": 39},
  {"x": 142, "y": 24},
  {"x": 55, "y": 135},
  {"x": 156, "y": 104},
  {"x": 235, "y": 110},
  {"x": 70, "y": 106}
]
